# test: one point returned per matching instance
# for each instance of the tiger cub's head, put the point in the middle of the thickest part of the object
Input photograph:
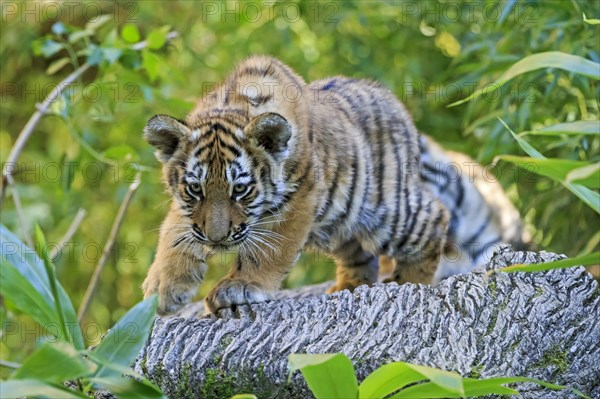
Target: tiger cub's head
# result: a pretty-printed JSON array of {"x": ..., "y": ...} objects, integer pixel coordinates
[{"x": 224, "y": 173}]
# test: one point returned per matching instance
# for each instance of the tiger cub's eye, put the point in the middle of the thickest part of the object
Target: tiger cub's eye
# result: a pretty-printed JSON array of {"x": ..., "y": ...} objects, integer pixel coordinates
[
  {"x": 196, "y": 188},
  {"x": 239, "y": 188}
]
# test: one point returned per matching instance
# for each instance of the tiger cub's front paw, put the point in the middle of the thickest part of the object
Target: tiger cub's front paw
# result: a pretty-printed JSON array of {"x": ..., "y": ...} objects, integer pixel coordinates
[
  {"x": 172, "y": 295},
  {"x": 231, "y": 292}
]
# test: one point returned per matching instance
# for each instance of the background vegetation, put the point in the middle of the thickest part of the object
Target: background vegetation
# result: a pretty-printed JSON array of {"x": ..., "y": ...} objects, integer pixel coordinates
[{"x": 430, "y": 54}]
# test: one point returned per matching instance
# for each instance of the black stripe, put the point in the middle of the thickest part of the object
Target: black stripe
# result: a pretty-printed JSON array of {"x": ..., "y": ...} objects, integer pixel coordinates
[
  {"x": 480, "y": 229},
  {"x": 413, "y": 220},
  {"x": 330, "y": 194},
  {"x": 350, "y": 200}
]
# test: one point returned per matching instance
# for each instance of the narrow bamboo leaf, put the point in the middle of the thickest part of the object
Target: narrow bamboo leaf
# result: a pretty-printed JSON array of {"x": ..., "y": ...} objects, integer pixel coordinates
[
  {"x": 36, "y": 388},
  {"x": 578, "y": 127},
  {"x": 57, "y": 65},
  {"x": 327, "y": 375},
  {"x": 244, "y": 396},
  {"x": 584, "y": 260},
  {"x": 591, "y": 21},
  {"x": 42, "y": 364},
  {"x": 554, "y": 168},
  {"x": 388, "y": 379},
  {"x": 588, "y": 175},
  {"x": 123, "y": 342},
  {"x": 550, "y": 59},
  {"x": 589, "y": 197}
]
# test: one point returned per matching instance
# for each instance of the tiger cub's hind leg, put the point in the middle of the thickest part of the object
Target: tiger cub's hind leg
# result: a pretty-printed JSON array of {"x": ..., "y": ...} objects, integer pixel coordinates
[
  {"x": 354, "y": 267},
  {"x": 418, "y": 255}
]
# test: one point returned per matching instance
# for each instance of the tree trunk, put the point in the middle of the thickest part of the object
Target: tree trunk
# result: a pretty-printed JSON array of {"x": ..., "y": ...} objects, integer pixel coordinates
[{"x": 542, "y": 325}]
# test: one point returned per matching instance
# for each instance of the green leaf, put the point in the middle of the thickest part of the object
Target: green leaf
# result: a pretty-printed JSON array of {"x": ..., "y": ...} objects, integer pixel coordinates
[
  {"x": 57, "y": 65},
  {"x": 78, "y": 35},
  {"x": 584, "y": 260},
  {"x": 558, "y": 169},
  {"x": 95, "y": 55},
  {"x": 130, "y": 33},
  {"x": 150, "y": 63},
  {"x": 35, "y": 388},
  {"x": 111, "y": 54},
  {"x": 591, "y": 21},
  {"x": 97, "y": 22},
  {"x": 244, "y": 396},
  {"x": 589, "y": 197},
  {"x": 42, "y": 364},
  {"x": 24, "y": 281},
  {"x": 550, "y": 59},
  {"x": 50, "y": 47},
  {"x": 578, "y": 127},
  {"x": 64, "y": 314},
  {"x": 588, "y": 175},
  {"x": 123, "y": 342},
  {"x": 124, "y": 387},
  {"x": 430, "y": 390},
  {"x": 158, "y": 37},
  {"x": 17, "y": 289},
  {"x": 327, "y": 375},
  {"x": 388, "y": 379}
]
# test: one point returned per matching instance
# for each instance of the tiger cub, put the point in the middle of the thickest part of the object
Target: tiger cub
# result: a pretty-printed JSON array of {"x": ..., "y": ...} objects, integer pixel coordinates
[{"x": 268, "y": 165}]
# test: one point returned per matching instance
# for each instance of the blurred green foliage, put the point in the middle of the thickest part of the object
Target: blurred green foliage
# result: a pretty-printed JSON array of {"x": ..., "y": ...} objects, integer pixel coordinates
[{"x": 429, "y": 53}]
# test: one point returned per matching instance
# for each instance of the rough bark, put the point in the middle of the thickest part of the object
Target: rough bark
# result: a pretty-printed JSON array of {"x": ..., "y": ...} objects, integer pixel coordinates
[{"x": 542, "y": 325}]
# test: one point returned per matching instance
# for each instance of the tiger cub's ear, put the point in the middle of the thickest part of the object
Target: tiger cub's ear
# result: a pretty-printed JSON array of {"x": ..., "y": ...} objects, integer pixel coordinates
[
  {"x": 272, "y": 132},
  {"x": 165, "y": 133}
]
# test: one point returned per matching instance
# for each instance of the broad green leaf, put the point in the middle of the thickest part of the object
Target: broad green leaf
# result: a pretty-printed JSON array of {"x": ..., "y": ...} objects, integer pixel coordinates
[
  {"x": 430, "y": 391},
  {"x": 123, "y": 342},
  {"x": 578, "y": 127},
  {"x": 124, "y": 387},
  {"x": 25, "y": 283},
  {"x": 584, "y": 260},
  {"x": 158, "y": 37},
  {"x": 57, "y": 65},
  {"x": 591, "y": 21},
  {"x": 42, "y": 364},
  {"x": 150, "y": 63},
  {"x": 327, "y": 375},
  {"x": 130, "y": 33},
  {"x": 17, "y": 289},
  {"x": 588, "y": 175},
  {"x": 35, "y": 388},
  {"x": 550, "y": 59},
  {"x": 388, "y": 379},
  {"x": 62, "y": 303}
]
